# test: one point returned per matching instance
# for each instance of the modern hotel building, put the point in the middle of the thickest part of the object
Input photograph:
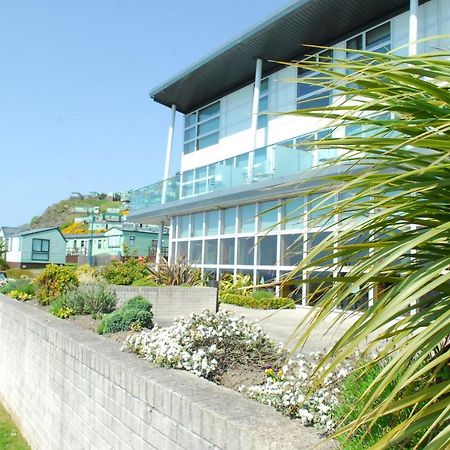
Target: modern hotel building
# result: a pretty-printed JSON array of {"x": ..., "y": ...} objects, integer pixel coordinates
[{"x": 238, "y": 163}]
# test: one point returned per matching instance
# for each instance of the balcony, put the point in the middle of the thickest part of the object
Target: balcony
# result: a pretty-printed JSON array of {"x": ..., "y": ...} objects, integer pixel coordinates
[{"x": 261, "y": 165}]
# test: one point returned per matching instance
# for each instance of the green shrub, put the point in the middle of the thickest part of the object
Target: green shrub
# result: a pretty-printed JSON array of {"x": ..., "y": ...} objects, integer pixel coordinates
[
  {"x": 3, "y": 264},
  {"x": 22, "y": 296},
  {"x": 22, "y": 285},
  {"x": 263, "y": 302},
  {"x": 125, "y": 273},
  {"x": 133, "y": 315},
  {"x": 86, "y": 299},
  {"x": 54, "y": 281},
  {"x": 144, "y": 282},
  {"x": 59, "y": 309},
  {"x": 352, "y": 391},
  {"x": 262, "y": 294},
  {"x": 19, "y": 273},
  {"x": 87, "y": 274},
  {"x": 177, "y": 273},
  {"x": 239, "y": 284}
]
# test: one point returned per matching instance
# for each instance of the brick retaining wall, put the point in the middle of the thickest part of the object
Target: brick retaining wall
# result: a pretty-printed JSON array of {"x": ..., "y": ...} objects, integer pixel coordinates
[{"x": 70, "y": 389}]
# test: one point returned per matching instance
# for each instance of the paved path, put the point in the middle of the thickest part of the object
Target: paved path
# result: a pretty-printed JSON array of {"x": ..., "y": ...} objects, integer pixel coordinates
[{"x": 281, "y": 326}]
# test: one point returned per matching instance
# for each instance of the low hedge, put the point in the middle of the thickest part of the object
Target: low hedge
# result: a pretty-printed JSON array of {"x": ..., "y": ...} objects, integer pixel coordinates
[
  {"x": 133, "y": 315},
  {"x": 259, "y": 302}
]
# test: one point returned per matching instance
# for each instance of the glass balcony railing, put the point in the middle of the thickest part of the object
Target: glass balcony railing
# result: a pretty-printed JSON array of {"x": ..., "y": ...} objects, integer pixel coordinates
[{"x": 254, "y": 167}]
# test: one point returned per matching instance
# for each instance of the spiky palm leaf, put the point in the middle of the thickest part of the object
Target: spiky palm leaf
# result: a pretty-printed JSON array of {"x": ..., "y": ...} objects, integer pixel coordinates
[{"x": 394, "y": 233}]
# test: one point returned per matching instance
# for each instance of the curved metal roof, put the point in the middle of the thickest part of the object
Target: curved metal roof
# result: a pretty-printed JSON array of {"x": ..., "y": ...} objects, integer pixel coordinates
[{"x": 281, "y": 38}]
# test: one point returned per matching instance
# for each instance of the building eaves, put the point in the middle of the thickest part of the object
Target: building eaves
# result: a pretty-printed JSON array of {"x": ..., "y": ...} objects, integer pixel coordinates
[{"x": 282, "y": 37}]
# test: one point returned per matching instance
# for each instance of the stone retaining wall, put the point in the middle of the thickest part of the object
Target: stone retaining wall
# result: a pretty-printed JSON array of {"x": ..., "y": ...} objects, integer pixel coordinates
[
  {"x": 70, "y": 389},
  {"x": 170, "y": 302}
]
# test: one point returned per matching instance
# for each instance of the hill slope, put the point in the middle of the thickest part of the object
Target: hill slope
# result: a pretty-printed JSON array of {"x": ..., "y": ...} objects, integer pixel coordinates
[{"x": 61, "y": 213}]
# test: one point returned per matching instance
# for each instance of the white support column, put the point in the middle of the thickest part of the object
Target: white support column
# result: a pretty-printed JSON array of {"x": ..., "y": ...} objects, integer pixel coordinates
[
  {"x": 165, "y": 180},
  {"x": 255, "y": 107},
  {"x": 413, "y": 26}
]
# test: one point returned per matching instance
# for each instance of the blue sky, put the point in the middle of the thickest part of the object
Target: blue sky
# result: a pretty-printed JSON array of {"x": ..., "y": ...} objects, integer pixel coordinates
[{"x": 75, "y": 75}]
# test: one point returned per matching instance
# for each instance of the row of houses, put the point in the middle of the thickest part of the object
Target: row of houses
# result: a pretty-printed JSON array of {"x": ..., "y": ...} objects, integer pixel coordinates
[
  {"x": 237, "y": 163},
  {"x": 34, "y": 248}
]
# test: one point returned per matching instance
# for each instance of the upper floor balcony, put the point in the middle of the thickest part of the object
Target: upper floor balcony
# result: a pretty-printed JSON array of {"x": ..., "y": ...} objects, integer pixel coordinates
[{"x": 260, "y": 166}]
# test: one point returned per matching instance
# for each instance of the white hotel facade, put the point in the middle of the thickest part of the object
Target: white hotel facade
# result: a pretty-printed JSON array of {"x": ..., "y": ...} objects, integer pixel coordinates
[{"x": 237, "y": 162}]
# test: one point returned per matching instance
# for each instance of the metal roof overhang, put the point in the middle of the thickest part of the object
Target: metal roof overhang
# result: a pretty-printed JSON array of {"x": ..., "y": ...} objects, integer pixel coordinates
[{"x": 282, "y": 37}]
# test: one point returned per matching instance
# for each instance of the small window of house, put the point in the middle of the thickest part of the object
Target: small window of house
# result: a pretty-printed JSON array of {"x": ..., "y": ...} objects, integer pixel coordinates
[{"x": 40, "y": 250}]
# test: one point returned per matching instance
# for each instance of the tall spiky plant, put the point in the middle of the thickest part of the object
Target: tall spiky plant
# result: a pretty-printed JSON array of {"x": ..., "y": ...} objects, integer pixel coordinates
[{"x": 394, "y": 236}]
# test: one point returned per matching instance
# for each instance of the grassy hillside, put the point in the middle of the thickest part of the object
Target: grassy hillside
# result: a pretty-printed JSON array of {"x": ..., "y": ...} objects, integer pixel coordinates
[{"x": 60, "y": 213}]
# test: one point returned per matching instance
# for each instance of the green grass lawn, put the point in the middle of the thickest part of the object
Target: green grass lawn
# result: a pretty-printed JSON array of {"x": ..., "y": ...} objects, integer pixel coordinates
[{"x": 10, "y": 437}]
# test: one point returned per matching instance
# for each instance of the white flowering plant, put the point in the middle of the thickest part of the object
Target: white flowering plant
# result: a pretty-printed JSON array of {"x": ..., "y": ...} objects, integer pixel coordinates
[
  {"x": 287, "y": 391},
  {"x": 208, "y": 344}
]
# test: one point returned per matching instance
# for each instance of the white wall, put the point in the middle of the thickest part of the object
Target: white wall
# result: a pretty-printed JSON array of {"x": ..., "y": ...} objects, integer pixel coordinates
[
  {"x": 235, "y": 118},
  {"x": 14, "y": 254}
]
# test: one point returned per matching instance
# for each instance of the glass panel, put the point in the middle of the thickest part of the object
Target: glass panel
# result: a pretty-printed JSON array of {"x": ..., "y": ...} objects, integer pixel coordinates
[
  {"x": 196, "y": 252},
  {"x": 201, "y": 172},
  {"x": 227, "y": 251},
  {"x": 36, "y": 245},
  {"x": 245, "y": 251},
  {"x": 190, "y": 119},
  {"x": 267, "y": 220},
  {"x": 264, "y": 86},
  {"x": 45, "y": 245},
  {"x": 247, "y": 219},
  {"x": 208, "y": 140},
  {"x": 291, "y": 249},
  {"x": 201, "y": 187},
  {"x": 208, "y": 126},
  {"x": 355, "y": 43},
  {"x": 265, "y": 276},
  {"x": 209, "y": 111},
  {"x": 212, "y": 223},
  {"x": 229, "y": 221},
  {"x": 183, "y": 226},
  {"x": 188, "y": 190},
  {"x": 242, "y": 160},
  {"x": 267, "y": 251},
  {"x": 189, "y": 134},
  {"x": 173, "y": 254},
  {"x": 319, "y": 210},
  {"x": 378, "y": 35},
  {"x": 211, "y": 251},
  {"x": 189, "y": 147},
  {"x": 315, "y": 239},
  {"x": 317, "y": 288},
  {"x": 305, "y": 89},
  {"x": 263, "y": 103},
  {"x": 182, "y": 249},
  {"x": 293, "y": 213},
  {"x": 188, "y": 176},
  {"x": 262, "y": 121},
  {"x": 292, "y": 288},
  {"x": 197, "y": 225}
]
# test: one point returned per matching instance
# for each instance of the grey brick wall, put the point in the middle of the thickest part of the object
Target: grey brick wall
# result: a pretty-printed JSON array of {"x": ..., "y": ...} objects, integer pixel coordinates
[
  {"x": 70, "y": 389},
  {"x": 170, "y": 302}
]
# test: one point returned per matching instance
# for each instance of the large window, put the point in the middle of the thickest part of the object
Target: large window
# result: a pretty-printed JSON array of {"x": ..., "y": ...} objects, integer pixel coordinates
[
  {"x": 40, "y": 249},
  {"x": 311, "y": 95},
  {"x": 263, "y": 103},
  {"x": 201, "y": 128}
]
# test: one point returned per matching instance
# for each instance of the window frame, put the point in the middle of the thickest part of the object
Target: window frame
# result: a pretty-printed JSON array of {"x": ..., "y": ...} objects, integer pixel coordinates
[
  {"x": 40, "y": 254},
  {"x": 193, "y": 123}
]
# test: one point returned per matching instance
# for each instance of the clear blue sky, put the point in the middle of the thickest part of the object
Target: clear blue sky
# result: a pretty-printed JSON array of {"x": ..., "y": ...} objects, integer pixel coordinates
[{"x": 74, "y": 80}]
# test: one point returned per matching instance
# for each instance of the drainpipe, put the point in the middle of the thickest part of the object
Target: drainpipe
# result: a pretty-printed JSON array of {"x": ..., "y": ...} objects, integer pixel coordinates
[
  {"x": 413, "y": 26},
  {"x": 165, "y": 180}
]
